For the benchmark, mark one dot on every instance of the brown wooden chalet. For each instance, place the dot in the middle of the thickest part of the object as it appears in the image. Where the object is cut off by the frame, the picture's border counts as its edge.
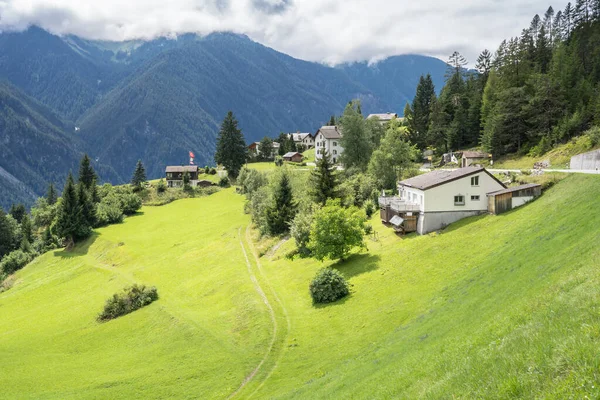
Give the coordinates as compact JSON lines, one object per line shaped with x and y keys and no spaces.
{"x":174,"y":174}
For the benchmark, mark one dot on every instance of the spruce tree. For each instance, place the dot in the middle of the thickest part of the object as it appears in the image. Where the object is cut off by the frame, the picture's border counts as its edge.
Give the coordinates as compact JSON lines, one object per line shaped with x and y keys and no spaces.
{"x":87,"y":206}
{"x":26,"y":229}
{"x":69,"y":222}
{"x":6,"y":235}
{"x":18,"y":211}
{"x":421,"y":111}
{"x":324,"y":181}
{"x":87,"y":175}
{"x":139,"y":175}
{"x":283,"y":210}
{"x":231,"y":146}
{"x":51,"y":195}
{"x":332,"y":121}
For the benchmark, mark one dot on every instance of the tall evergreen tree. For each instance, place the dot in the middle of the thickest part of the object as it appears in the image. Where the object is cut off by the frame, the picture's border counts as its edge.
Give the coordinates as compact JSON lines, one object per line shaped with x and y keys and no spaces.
{"x":421,"y":111}
{"x":51,"y":196}
{"x":26,"y":229}
{"x":69,"y":222}
{"x":231,"y":146}
{"x":18,"y":211}
{"x":456,"y":65}
{"x":324,"y":181}
{"x":139,"y":175}
{"x":265,"y":147}
{"x":6,"y":235}
{"x":355,"y":138}
{"x":87,"y":206}
{"x":284,"y":208}
{"x":484,"y":64}
{"x":332,"y":121}
{"x":87,"y":175}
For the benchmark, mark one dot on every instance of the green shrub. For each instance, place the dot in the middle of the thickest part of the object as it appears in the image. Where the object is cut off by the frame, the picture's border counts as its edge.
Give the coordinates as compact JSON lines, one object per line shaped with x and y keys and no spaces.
{"x":224,"y":182}
{"x":300,"y":231}
{"x":213,"y":171}
{"x":130,"y":299}
{"x":206,"y":169}
{"x":161,"y":186}
{"x":130,"y":203}
{"x":14,"y":261}
{"x":328,"y":286}
{"x":369,"y":208}
{"x":109,"y":211}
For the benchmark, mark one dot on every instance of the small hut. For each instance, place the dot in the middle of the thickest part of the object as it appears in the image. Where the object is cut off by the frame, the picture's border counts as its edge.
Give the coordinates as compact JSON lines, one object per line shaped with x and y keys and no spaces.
{"x":505,"y":200}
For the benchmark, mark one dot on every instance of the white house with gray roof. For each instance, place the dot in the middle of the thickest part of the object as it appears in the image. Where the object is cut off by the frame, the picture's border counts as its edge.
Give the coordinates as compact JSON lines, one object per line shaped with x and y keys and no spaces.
{"x":327,"y":139}
{"x":442,"y":197}
{"x":383,"y":118}
{"x":305,"y":140}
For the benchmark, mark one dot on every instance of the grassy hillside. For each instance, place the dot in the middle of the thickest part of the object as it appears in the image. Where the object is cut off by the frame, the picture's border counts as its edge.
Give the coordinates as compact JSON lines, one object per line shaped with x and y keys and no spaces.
{"x":496,"y":306}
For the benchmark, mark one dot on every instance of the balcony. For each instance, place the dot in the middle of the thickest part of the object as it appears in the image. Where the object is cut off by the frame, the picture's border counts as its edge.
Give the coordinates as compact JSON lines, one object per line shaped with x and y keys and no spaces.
{"x":399,"y":205}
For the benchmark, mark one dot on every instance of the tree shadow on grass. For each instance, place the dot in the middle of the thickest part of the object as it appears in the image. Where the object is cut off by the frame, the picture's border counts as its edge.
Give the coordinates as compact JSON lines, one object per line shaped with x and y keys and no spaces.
{"x":335,"y":303}
{"x":80,"y":248}
{"x":357,"y":264}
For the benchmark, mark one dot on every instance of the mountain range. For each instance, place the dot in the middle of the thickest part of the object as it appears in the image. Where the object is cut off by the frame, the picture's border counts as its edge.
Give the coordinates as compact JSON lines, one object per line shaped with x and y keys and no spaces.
{"x":157,"y":100}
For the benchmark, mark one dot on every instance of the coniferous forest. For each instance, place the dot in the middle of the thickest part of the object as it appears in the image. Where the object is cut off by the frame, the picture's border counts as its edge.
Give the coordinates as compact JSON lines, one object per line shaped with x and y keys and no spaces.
{"x":537,"y":90}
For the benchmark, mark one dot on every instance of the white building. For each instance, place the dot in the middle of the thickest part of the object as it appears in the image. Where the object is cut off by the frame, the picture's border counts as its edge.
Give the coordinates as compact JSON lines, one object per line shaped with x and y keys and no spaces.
{"x":442,"y":197}
{"x":383,"y":118}
{"x":327,"y":139}
{"x":305,"y":140}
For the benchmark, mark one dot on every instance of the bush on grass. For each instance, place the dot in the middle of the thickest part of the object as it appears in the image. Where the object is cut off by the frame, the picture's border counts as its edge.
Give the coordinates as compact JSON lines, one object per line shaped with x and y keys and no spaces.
{"x":14,"y":261}
{"x":224,"y":182}
{"x":328,"y":286}
{"x":130,"y":299}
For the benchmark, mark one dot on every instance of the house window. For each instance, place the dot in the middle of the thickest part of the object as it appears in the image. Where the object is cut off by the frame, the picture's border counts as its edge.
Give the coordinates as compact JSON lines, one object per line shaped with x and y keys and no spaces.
{"x":335,"y":143}
{"x":459,"y":200}
{"x":474,"y":198}
{"x":335,"y":152}
{"x":475,"y":181}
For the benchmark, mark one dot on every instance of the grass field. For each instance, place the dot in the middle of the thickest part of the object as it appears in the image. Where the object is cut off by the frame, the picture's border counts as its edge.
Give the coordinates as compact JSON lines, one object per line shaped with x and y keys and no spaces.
{"x":494,"y":307}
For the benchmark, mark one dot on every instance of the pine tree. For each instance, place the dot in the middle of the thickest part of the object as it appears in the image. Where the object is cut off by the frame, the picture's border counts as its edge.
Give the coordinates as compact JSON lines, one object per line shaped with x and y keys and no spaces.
{"x":87,"y":175}
{"x":568,"y":20}
{"x":6,"y":235}
{"x":18,"y":211}
{"x":26,"y":229}
{"x":558,"y":29}
{"x":87,"y":206}
{"x":51,"y":195}
{"x":139,"y":175}
{"x":484,"y":64}
{"x":332,"y":121}
{"x":231,"y":146}
{"x":456,"y":65}
{"x":324,"y":181}
{"x":283,"y":210}
{"x":69,"y":224}
{"x":421,"y":111}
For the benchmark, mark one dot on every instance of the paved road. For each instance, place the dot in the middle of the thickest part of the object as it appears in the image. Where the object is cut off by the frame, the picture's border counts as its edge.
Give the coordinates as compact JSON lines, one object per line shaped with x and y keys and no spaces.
{"x":500,"y":170}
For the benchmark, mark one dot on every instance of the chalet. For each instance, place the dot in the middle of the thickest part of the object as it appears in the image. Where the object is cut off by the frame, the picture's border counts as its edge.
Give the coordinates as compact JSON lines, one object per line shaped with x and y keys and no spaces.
{"x":174,"y":175}
{"x":473,"y":158}
{"x":327,"y":140}
{"x":293,"y":156}
{"x":383,"y":118}
{"x":431,"y":201}
{"x":302,"y":140}
{"x":512,"y":197}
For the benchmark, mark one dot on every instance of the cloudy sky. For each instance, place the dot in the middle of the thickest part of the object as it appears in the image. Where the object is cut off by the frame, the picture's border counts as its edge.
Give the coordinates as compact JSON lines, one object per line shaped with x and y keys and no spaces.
{"x":329,"y":31}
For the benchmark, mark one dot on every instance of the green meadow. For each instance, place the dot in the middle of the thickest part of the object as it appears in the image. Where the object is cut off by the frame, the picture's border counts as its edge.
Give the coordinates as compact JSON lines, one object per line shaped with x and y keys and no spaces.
{"x":493,"y":307}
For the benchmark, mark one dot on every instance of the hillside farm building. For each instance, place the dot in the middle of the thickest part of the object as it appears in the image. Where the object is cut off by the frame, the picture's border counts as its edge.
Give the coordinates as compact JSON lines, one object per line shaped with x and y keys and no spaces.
{"x":473,"y":158}
{"x":327,"y":140}
{"x":513,"y":197}
{"x":440,"y":198}
{"x":293,"y":156}
{"x":174,"y":175}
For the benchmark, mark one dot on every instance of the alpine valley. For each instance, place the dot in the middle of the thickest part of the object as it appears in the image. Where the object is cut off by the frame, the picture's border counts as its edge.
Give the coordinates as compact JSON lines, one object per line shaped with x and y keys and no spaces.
{"x":157,"y":100}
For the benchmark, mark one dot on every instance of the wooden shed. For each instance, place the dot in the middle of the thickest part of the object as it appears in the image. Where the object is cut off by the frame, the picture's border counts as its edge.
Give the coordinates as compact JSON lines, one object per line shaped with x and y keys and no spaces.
{"x":513,"y":197}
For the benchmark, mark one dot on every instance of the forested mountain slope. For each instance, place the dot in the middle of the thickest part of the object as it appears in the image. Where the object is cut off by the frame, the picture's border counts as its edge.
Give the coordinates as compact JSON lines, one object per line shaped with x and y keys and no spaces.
{"x":35,"y":148}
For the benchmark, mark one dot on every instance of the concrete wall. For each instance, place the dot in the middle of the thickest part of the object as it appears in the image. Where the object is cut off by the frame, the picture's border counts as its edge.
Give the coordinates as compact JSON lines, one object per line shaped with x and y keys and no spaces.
{"x":519,"y":201}
{"x":441,"y":198}
{"x":433,"y":221}
{"x":590,"y":160}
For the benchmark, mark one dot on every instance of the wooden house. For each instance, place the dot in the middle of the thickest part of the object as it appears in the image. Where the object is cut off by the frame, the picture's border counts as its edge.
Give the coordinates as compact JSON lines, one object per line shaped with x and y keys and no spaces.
{"x":293,"y":156}
{"x":505,"y":200}
{"x":174,"y":175}
{"x":473,"y":158}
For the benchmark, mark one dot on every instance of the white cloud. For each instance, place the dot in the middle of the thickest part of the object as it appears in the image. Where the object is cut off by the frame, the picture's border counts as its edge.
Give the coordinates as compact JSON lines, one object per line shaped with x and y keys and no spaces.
{"x":329,"y":31}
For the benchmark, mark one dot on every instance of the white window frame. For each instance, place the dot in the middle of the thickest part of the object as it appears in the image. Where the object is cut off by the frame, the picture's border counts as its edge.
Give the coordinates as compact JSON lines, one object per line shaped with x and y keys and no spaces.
{"x":475,"y":180}
{"x":457,"y":201}
{"x":475,"y":198}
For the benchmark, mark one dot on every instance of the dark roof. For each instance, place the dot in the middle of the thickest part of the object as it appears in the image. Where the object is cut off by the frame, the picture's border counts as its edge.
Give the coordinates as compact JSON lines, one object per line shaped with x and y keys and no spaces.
{"x":182,"y":168}
{"x":515,"y":189}
{"x":474,"y":154}
{"x":291,"y":154}
{"x":440,"y":177}
{"x":299,"y":136}
{"x":329,"y":132}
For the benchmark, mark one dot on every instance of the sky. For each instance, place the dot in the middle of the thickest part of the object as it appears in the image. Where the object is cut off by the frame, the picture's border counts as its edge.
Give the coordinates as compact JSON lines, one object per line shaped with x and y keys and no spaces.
{"x":326,"y":31}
